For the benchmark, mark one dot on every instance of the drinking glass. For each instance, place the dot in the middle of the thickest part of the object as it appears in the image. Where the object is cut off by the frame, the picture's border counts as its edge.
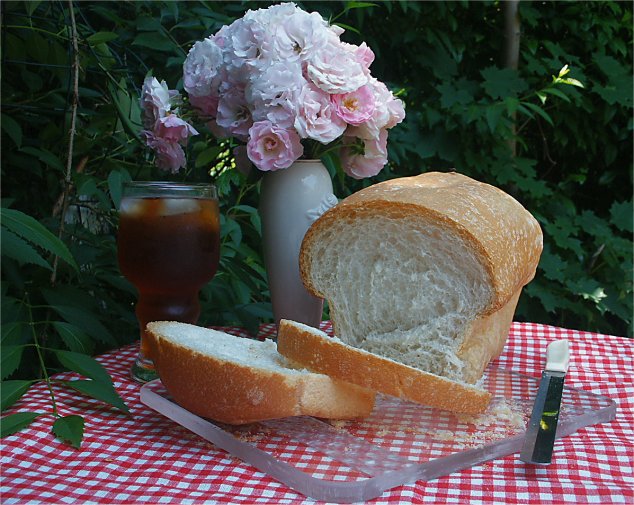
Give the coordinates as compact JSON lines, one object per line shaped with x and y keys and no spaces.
{"x":168,"y":247}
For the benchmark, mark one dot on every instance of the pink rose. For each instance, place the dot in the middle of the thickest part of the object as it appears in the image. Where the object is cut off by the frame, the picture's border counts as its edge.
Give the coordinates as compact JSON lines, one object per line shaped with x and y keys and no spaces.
{"x":363,"y":54}
{"x":364,"y":157}
{"x":273,"y":148}
{"x":173,"y":129}
{"x":233,"y":113}
{"x":396,"y":112}
{"x":316,"y":116}
{"x":155,"y":101}
{"x":388,"y":112}
{"x":355,"y":107}
{"x":169,"y":155}
{"x":206,"y":105}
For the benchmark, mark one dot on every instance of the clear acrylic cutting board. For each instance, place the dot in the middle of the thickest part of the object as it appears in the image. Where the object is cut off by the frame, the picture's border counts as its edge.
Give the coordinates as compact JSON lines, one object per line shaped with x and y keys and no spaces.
{"x":401,"y":442}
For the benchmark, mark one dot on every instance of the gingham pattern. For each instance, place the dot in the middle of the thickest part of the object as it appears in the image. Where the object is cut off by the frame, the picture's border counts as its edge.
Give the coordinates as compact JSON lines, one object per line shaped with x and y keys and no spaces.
{"x":145,"y":458}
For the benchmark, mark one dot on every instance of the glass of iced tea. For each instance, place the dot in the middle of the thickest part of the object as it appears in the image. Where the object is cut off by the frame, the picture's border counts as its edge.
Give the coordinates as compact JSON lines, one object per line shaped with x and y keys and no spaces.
{"x":168,"y":247}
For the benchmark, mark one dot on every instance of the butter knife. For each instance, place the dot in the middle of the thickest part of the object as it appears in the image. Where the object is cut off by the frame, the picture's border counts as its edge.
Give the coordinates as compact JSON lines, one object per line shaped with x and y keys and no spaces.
{"x":542,"y":426}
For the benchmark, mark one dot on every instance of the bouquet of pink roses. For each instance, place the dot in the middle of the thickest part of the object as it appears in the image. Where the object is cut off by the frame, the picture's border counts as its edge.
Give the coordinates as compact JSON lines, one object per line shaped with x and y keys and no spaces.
{"x":277,"y":79}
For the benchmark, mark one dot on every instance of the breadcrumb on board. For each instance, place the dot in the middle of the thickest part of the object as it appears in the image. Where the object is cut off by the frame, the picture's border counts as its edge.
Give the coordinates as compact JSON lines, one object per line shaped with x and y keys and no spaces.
{"x":505,"y":417}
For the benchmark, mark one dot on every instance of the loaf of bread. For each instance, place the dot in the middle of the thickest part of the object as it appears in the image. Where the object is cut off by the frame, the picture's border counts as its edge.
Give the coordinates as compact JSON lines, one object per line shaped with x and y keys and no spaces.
{"x":238,"y":380}
{"x":424,"y":270}
{"x":314,"y":349}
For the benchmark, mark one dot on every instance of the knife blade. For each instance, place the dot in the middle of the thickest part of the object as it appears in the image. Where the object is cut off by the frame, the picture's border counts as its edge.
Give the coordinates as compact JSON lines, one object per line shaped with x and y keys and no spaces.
{"x":542,"y":425}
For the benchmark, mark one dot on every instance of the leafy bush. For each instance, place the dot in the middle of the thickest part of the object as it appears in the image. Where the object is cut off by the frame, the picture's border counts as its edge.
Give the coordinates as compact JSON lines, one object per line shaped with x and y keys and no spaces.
{"x":564,"y":151}
{"x":573,"y":162}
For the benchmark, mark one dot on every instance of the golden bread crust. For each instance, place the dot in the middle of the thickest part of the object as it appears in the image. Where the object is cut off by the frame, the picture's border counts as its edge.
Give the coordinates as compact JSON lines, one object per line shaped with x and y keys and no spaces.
{"x":235,"y":393}
{"x":318,"y":352}
{"x":501,"y":232}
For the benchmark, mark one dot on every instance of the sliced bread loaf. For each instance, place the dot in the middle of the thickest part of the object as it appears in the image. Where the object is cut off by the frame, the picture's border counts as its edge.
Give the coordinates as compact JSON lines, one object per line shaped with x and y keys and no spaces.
{"x":238,"y":380}
{"x":314,"y":349}
{"x":424,"y":270}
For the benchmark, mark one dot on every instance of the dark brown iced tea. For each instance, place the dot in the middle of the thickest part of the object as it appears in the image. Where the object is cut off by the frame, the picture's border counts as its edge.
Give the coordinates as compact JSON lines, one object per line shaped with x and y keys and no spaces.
{"x":168,"y":248}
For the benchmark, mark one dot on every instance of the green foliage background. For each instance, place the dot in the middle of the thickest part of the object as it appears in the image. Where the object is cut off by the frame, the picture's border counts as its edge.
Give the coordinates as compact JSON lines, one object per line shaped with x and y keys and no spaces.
{"x":61,"y":287}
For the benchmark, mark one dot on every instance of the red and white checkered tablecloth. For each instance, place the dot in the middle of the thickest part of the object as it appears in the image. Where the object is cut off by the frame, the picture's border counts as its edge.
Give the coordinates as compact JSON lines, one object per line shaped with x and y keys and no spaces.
{"x":146,"y":458}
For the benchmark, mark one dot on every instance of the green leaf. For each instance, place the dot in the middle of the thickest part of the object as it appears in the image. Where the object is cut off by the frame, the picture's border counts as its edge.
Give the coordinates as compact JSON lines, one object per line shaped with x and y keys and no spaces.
{"x":607,"y":64}
{"x":493,"y":115}
{"x":101,"y":37}
{"x":358,"y":5}
{"x":45,"y":156}
{"x":12,"y":129}
{"x":207,"y":156}
{"x":589,"y":289}
{"x":539,"y":111}
{"x":15,"y":422}
{"x":260,"y":310}
{"x":116,"y":178}
{"x":617,"y":91}
{"x":11,"y":357}
{"x":148,"y":24}
{"x":31,"y":7}
{"x":124,"y":105}
{"x":21,"y":251}
{"x":461,"y":92}
{"x":557,"y":92}
{"x":27,"y":227}
{"x":154,"y":40}
{"x":502,"y":82}
{"x":12,"y":391}
{"x":99,"y":391}
{"x":175,"y":61}
{"x":621,"y":215}
{"x":230,"y":228}
{"x":593,"y":225}
{"x":563,"y":233}
{"x":511,"y":104}
{"x":74,"y":338}
{"x":572,"y":82}
{"x":553,"y":266}
{"x":12,"y":332}
{"x":84,"y":365}
{"x":70,"y":429}
{"x":85,"y":321}
{"x":549,"y":299}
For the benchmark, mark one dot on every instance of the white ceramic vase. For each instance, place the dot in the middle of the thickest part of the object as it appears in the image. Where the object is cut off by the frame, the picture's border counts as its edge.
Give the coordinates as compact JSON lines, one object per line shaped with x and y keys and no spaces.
{"x":290,"y":200}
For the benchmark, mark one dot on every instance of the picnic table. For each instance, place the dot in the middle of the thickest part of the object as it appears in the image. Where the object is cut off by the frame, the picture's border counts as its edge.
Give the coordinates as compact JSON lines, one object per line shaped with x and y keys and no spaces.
{"x":148,"y":458}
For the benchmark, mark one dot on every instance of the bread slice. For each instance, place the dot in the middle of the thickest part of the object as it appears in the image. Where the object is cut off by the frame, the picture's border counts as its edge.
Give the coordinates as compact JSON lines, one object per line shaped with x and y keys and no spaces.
{"x":424,"y":270}
{"x":237,"y":380}
{"x":314,"y":349}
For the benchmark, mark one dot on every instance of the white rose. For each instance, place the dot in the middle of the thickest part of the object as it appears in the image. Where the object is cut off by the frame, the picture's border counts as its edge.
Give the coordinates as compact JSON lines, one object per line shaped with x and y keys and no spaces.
{"x":335,"y":70}
{"x":301,"y":34}
{"x":274,"y":15}
{"x":201,"y":67}
{"x":250,"y":44}
{"x":272,"y":93}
